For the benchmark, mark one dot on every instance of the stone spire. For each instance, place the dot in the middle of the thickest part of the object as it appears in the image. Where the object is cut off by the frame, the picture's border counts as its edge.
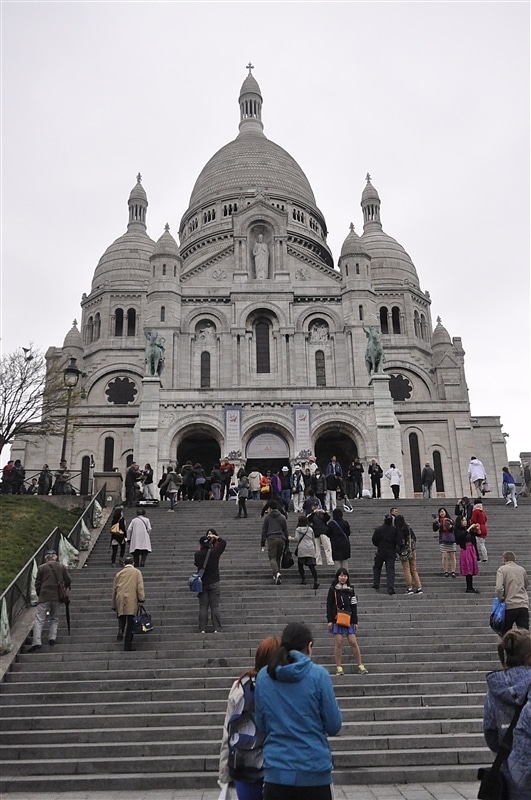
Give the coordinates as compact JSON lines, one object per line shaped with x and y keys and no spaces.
{"x":370,"y":204}
{"x":250,"y":104}
{"x":138,"y":204}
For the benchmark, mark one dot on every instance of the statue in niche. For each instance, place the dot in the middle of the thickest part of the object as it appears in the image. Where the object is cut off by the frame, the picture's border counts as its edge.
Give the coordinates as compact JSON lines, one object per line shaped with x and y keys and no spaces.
{"x":207,"y":334}
{"x":154,"y":353}
{"x":319,"y":332}
{"x":374,"y":354}
{"x":261,"y":258}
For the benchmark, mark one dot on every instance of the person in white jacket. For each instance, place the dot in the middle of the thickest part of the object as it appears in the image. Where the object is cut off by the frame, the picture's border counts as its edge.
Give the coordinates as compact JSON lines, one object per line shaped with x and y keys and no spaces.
{"x":394,"y":477}
{"x":476,"y":475}
{"x":228,"y":772}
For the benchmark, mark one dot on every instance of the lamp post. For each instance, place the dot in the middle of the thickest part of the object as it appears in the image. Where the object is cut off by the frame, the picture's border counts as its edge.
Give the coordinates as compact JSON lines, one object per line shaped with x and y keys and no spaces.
{"x":71,"y":376}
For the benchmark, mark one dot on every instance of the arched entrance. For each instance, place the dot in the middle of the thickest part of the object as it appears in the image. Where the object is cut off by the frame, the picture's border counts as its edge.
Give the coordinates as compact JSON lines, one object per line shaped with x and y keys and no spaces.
{"x":199,"y":447}
{"x":266,"y":451}
{"x":335,"y":443}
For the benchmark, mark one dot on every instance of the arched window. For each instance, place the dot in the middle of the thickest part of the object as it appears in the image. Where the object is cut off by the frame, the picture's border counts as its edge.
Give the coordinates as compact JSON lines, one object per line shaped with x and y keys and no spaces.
{"x":131,"y":321}
{"x":119,"y":322}
{"x":263,"y":363}
{"x":415,"y":461}
{"x":360,"y":312}
{"x":320,"y":368}
{"x":357,"y":269}
{"x":423,"y":327}
{"x":384,"y":324}
{"x":395,"y":316}
{"x":205,"y":370}
{"x":164,"y":269}
{"x":90,"y":330}
{"x":163,"y":313}
{"x":97,"y":326}
{"x":108,"y":454}
{"x":437,"y":468}
{"x":416,"y":323}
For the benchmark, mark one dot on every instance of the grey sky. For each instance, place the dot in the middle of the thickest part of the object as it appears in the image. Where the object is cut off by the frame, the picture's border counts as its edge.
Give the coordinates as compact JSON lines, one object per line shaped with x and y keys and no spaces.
{"x":431,"y":98}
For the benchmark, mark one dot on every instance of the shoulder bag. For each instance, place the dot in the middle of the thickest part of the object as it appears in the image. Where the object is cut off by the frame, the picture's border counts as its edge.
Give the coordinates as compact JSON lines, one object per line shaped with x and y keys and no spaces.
{"x":195,"y":581}
{"x":493,"y":785}
{"x":296,"y":551}
{"x":64,"y":597}
{"x":342,"y":617}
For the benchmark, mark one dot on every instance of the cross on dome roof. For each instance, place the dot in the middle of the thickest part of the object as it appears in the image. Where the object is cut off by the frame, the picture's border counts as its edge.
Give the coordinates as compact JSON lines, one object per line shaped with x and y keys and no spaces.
{"x":249,"y":67}
{"x":139,"y":178}
{"x":368,"y":177}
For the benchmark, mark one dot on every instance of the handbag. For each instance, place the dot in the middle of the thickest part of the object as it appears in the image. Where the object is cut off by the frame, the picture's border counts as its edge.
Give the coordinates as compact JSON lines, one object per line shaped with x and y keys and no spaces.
{"x":343,"y":618}
{"x":142,"y":621}
{"x":195,"y":581}
{"x":63,"y":595}
{"x":116,"y":528}
{"x":287,"y":559}
{"x":497,"y":616}
{"x":493,"y":785}
{"x":485,"y":488}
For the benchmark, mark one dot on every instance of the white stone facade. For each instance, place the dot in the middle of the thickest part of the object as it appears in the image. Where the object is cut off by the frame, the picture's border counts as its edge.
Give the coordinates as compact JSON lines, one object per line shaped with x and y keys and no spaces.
{"x":264,"y":338}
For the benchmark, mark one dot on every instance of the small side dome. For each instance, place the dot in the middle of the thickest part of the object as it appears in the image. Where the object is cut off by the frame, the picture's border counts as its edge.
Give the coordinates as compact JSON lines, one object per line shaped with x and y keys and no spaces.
{"x":440,"y":336}
{"x":353,"y":245}
{"x":166,"y":245}
{"x":73,"y":339}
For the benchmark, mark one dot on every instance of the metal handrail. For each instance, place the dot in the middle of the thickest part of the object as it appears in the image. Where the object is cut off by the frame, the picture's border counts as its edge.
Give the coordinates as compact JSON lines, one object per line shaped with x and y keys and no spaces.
{"x":18,"y":593}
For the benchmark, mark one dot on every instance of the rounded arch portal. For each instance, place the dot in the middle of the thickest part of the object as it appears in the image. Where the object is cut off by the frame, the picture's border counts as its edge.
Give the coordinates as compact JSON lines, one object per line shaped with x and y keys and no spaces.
{"x":335,"y":442}
{"x":199,"y":447}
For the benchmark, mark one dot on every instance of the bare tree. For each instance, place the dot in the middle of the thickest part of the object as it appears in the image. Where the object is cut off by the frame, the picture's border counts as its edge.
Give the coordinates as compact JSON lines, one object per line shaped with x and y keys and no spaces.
{"x":32,"y":396}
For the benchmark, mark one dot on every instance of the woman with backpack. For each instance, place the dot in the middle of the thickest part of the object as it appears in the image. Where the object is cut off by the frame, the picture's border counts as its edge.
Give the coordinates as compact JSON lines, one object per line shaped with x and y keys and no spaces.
{"x":444,"y":525}
{"x":305,"y":549}
{"x":244,"y":765}
{"x":407,"y":553}
{"x":296,"y":708}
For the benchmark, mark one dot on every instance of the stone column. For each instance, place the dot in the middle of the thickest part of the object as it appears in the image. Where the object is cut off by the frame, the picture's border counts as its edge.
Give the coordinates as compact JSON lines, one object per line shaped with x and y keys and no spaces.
{"x":147,"y":426}
{"x":387,"y":431}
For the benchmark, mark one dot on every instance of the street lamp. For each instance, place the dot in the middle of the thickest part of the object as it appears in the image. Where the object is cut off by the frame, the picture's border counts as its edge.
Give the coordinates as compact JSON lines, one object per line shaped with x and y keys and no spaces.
{"x":71,"y":376}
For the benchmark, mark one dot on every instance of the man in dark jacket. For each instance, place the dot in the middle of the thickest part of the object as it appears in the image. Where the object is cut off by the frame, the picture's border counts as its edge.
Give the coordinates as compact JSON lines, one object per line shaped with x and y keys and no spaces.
{"x":212,"y":546}
{"x":427,"y":478}
{"x":275,"y":533}
{"x":385,"y":539}
{"x":49,"y":576}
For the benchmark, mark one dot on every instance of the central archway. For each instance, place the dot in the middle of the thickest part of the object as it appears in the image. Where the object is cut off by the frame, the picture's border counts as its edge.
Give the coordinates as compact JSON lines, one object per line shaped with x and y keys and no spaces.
{"x":335,"y":443}
{"x":199,"y":448}
{"x":266,"y":450}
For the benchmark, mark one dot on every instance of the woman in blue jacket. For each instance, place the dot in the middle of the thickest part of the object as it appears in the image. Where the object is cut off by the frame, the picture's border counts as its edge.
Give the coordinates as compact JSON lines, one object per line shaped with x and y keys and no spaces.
{"x":296,"y":708}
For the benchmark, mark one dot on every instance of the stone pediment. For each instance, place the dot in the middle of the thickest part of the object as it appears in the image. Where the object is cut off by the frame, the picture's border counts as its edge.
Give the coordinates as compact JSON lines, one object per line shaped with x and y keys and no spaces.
{"x":448,"y":361}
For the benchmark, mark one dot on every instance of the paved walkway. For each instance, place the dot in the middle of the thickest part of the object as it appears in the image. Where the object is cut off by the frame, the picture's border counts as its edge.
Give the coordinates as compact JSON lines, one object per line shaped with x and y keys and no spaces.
{"x":403,"y":791}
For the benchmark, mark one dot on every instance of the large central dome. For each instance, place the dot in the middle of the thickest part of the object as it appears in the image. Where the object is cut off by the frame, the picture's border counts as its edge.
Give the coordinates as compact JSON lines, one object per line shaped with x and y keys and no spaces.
{"x":251,"y":162}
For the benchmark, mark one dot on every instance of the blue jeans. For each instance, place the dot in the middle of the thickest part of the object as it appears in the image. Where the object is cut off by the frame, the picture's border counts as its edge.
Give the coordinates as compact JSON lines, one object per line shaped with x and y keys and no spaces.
{"x":248,"y":791}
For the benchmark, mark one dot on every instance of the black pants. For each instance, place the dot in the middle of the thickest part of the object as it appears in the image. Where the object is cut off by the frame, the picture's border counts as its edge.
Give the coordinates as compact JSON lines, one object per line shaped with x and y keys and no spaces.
{"x":125,"y":627}
{"x":311,"y":568}
{"x":395,"y":488}
{"x":140,"y":558}
{"x":114,"y":549}
{"x":376,"y":487}
{"x":379,"y":560}
{"x":516,"y":616}
{"x":242,"y":506}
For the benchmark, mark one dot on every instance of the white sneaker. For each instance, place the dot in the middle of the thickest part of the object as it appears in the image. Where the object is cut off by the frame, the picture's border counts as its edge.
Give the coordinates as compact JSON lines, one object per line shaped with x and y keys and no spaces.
{"x":508,"y":503}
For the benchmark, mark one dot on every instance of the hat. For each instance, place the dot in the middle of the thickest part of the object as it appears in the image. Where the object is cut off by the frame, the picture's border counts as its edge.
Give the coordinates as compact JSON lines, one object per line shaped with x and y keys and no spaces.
{"x":297,"y":466}
{"x":285,"y":469}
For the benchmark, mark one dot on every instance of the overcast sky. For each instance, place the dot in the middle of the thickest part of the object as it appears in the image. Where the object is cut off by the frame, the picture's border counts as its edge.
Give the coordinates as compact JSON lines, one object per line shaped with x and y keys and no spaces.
{"x":431,"y":98}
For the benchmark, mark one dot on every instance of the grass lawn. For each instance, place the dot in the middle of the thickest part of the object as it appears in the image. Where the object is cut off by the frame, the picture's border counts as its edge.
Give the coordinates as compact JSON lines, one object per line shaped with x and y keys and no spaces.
{"x":25,"y":522}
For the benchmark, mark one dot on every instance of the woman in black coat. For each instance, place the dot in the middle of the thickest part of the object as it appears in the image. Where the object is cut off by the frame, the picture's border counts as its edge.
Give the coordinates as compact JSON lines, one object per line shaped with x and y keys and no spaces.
{"x":338,"y":531}
{"x":118,"y":534}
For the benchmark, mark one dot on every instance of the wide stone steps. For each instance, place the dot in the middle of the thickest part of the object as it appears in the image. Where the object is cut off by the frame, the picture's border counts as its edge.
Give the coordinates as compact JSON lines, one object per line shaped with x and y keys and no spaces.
{"x":66,"y":713}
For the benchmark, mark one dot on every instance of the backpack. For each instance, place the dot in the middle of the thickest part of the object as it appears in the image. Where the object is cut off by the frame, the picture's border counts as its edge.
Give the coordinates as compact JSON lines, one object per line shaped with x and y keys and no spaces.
{"x":246,"y":761}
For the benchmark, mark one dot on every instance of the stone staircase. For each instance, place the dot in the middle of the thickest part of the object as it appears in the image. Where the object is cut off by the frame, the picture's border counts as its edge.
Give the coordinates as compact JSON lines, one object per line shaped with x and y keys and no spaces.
{"x":87,"y":715}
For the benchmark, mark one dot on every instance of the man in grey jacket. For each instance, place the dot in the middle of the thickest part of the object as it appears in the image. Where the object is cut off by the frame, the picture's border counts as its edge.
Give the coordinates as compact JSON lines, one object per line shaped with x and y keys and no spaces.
{"x":49,"y":576}
{"x":511,"y":586}
{"x":275,"y":533}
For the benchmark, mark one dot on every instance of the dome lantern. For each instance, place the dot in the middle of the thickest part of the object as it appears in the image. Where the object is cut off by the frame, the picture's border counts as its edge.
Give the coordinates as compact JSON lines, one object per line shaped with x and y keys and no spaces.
{"x":250,"y":101}
{"x":370,"y":204}
{"x":138,"y":204}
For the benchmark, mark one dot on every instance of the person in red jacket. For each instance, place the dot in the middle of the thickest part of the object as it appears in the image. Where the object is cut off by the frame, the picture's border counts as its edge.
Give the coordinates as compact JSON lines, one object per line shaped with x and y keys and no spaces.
{"x":479,"y":517}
